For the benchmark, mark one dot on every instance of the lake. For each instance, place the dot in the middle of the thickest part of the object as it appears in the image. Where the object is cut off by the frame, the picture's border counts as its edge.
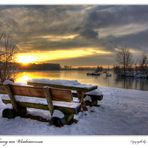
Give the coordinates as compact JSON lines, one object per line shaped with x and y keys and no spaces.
{"x":102,"y":80}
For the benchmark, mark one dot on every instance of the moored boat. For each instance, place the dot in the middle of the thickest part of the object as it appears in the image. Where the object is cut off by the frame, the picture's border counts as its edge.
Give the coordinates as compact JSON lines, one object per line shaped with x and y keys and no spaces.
{"x":93,"y":74}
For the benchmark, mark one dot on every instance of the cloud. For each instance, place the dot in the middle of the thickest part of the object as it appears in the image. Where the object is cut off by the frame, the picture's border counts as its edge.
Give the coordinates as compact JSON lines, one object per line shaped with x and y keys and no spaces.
{"x":92,"y":60}
{"x":90,"y":34}
{"x":136,"y":40}
{"x":102,"y":16}
{"x":57,"y":27}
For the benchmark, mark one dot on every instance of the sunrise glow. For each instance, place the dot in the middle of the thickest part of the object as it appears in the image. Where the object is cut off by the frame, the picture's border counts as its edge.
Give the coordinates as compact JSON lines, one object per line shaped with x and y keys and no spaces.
{"x":25,"y":59}
{"x":45,"y":56}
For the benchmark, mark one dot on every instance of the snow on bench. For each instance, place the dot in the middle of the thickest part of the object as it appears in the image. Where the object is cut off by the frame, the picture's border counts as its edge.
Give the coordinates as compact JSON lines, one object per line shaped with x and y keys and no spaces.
{"x":42,"y":101}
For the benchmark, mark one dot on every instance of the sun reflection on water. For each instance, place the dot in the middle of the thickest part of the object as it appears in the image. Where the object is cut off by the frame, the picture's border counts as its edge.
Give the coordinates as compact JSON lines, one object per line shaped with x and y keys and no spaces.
{"x":23,"y":77}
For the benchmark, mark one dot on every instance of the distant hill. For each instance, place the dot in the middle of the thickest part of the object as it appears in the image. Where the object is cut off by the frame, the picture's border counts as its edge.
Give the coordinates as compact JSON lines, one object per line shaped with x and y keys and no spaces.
{"x":44,"y":66}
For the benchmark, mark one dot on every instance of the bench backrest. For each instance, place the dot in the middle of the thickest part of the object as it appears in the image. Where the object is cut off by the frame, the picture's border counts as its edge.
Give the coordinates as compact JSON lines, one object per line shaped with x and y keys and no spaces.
{"x":31,"y":91}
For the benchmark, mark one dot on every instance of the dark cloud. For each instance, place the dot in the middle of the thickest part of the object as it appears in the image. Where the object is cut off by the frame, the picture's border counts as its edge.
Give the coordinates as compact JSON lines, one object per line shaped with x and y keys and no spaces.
{"x":135,"y":40}
{"x":45,"y":44}
{"x":40,"y":20}
{"x":102,"y":16}
{"x":90,"y":34}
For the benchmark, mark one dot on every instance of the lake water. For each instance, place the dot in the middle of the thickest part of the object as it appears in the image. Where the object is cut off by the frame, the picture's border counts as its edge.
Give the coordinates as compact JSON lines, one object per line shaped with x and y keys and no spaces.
{"x":102,"y":80}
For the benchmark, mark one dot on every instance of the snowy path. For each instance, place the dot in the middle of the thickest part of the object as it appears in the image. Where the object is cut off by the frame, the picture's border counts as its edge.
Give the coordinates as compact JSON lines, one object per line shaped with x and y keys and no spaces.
{"x":122,"y":112}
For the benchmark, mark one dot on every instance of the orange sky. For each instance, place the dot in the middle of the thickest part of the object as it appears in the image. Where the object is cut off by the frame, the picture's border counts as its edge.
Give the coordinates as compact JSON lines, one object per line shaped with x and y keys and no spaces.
{"x":47,"y":56}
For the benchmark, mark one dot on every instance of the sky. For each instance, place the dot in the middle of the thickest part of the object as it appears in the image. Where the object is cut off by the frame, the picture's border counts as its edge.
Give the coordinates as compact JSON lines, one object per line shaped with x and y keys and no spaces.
{"x":76,"y":35}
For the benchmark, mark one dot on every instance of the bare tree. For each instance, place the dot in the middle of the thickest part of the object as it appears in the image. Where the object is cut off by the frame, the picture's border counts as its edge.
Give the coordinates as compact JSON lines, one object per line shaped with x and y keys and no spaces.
{"x":143,"y":63}
{"x":143,"y":60}
{"x":7,"y":52}
{"x":124,"y":57}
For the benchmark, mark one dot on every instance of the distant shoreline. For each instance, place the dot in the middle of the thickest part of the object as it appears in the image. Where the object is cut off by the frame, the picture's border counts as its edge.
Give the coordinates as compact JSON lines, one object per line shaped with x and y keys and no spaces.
{"x":54,"y":70}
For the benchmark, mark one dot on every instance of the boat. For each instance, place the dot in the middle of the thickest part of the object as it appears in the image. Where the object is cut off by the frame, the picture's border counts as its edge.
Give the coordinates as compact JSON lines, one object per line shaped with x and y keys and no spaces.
{"x":140,"y":76}
{"x":93,"y":74}
{"x":108,"y":75}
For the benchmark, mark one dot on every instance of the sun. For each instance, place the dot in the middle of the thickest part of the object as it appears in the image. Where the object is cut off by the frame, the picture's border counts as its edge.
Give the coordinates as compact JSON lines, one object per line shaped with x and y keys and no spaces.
{"x":25,"y":59}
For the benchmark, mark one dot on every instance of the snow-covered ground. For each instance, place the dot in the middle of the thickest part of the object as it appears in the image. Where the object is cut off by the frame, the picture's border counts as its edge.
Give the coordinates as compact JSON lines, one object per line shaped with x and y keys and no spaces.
{"x":122,"y":112}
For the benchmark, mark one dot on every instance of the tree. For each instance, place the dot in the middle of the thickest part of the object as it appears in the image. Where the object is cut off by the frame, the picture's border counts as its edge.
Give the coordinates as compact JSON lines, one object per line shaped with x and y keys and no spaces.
{"x":98,"y":69}
{"x":143,"y":60}
{"x":143,"y":63}
{"x":7,"y":52}
{"x":124,"y":57}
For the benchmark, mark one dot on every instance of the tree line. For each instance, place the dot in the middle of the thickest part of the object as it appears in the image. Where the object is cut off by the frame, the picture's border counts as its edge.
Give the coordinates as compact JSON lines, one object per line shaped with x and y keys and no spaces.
{"x":127,"y":65}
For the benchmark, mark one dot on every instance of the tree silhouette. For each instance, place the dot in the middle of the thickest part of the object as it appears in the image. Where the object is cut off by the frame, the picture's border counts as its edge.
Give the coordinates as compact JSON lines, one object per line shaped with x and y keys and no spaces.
{"x":124,"y":57}
{"x":7,"y":52}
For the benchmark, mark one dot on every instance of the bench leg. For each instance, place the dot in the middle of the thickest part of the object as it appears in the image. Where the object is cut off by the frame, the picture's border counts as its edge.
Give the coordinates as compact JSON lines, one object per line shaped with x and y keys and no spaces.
{"x":11,"y":113}
{"x":8,"y":113}
{"x":94,"y":101}
{"x":68,"y":118}
{"x":22,"y":111}
{"x":81,"y":98}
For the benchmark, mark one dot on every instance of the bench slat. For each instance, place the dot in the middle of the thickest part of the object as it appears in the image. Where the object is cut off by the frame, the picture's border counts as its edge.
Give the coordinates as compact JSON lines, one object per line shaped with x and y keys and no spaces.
{"x":30,"y":91}
{"x":23,"y":90}
{"x":65,"y":94}
{"x":70,"y":107}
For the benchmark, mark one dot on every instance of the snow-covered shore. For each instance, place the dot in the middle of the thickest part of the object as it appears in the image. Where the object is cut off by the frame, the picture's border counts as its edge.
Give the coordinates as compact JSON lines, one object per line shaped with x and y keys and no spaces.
{"x":122,"y":112}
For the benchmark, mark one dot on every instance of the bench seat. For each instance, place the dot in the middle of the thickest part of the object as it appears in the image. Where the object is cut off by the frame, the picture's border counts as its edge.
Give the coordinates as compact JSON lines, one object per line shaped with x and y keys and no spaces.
{"x":40,"y":103}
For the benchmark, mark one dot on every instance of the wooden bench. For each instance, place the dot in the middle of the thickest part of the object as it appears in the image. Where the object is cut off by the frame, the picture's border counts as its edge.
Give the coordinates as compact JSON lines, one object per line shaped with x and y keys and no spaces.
{"x":51,"y":99}
{"x":80,"y":91}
